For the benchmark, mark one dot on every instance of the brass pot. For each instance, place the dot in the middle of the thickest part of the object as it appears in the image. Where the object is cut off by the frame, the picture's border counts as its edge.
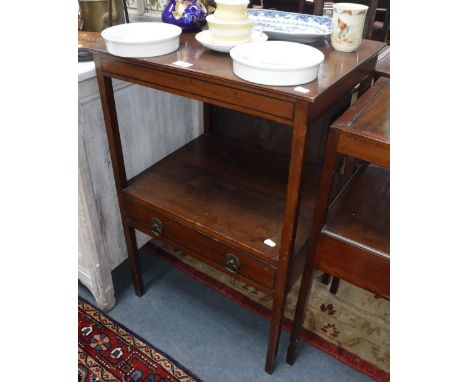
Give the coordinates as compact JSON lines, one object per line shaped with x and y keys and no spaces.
{"x":95,"y":14}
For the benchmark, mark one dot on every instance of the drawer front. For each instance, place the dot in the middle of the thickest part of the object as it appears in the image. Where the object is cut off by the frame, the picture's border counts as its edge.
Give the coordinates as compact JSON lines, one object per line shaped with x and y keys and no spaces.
{"x":272,"y":107}
{"x":215,"y":253}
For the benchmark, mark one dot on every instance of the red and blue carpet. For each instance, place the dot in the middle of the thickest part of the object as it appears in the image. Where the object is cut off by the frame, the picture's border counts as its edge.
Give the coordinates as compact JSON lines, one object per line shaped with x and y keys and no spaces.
{"x":109,"y":352}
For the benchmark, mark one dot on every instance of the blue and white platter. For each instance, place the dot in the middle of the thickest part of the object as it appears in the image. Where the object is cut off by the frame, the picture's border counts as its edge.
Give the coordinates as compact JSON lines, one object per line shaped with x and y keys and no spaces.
{"x":289,"y":26}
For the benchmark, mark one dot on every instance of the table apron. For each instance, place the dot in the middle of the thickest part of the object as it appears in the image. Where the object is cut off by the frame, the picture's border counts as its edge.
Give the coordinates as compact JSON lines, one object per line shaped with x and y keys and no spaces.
{"x":221,"y":94}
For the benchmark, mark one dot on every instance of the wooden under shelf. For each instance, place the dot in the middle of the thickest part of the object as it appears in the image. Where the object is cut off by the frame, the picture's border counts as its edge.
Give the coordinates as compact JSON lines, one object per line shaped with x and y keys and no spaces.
{"x":360,"y":215}
{"x":355,"y":241}
{"x":229,"y":190}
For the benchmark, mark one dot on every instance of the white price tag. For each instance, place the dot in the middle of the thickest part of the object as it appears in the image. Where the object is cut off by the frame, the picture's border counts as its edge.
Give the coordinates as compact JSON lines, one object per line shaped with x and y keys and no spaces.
{"x":183,"y":64}
{"x":270,"y":243}
{"x":300,"y":89}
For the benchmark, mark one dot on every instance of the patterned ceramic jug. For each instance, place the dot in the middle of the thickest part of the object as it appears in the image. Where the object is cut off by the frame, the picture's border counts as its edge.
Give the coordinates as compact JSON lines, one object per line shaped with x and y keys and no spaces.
{"x":188,"y":14}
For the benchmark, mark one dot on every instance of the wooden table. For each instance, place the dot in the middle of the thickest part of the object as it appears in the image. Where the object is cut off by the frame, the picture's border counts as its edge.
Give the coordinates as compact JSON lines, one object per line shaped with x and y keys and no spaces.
{"x":350,"y":237}
{"x":233,"y":206}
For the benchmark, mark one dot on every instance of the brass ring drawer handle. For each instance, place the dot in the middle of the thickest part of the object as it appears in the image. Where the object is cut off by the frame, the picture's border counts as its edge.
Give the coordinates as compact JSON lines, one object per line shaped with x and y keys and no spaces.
{"x":156,"y":226}
{"x":231,"y":262}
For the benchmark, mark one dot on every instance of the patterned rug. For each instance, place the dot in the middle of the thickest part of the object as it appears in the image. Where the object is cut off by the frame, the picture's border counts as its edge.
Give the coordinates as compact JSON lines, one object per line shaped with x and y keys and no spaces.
{"x":109,"y":352}
{"x":352,"y":326}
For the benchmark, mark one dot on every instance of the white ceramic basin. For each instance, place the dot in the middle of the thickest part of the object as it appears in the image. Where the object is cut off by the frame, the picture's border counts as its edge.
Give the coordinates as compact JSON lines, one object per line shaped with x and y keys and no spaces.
{"x":145,"y":39}
{"x":280,"y":63}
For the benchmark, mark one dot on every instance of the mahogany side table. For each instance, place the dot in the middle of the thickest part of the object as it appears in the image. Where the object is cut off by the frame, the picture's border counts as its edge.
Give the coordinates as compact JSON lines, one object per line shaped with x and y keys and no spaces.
{"x":240,"y":209}
{"x":350,"y":236}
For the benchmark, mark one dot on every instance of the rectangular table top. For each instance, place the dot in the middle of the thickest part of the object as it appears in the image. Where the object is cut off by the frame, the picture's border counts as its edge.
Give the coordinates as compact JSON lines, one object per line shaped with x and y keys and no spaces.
{"x":369,"y":116}
{"x":217,"y":67}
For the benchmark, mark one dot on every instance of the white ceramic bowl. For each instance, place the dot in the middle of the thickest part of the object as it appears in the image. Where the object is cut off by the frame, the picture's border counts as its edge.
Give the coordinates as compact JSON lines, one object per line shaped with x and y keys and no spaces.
{"x":144,"y":39}
{"x":229,"y":30}
{"x":280,"y":63}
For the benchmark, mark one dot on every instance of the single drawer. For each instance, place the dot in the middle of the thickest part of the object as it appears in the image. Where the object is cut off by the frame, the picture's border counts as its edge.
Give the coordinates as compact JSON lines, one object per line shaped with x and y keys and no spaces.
{"x":209,"y":250}
{"x":191,"y":85}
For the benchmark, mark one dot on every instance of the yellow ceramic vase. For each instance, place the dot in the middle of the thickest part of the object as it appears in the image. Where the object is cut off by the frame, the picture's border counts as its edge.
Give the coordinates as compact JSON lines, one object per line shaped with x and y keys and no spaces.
{"x":231,"y":10}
